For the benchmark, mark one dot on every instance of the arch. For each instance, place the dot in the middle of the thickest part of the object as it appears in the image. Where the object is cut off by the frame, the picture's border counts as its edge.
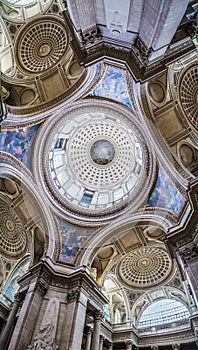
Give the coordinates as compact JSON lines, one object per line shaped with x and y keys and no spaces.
{"x":11,"y":170}
{"x":163,"y":311}
{"x":143,"y":217}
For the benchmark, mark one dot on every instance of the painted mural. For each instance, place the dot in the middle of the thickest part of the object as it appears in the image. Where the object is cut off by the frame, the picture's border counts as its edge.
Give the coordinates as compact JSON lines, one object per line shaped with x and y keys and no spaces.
{"x":18,"y":142}
{"x":102,"y":152}
{"x":114,"y":86}
{"x":166,"y":195}
{"x":72,"y":239}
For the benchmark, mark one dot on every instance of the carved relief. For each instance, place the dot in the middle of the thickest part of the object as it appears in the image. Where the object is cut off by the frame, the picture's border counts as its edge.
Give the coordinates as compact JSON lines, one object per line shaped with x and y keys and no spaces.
{"x":45,"y":338}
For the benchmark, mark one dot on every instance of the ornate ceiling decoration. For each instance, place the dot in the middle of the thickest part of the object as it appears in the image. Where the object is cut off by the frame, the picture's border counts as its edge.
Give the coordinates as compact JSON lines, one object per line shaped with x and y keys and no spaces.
{"x":13,"y":238}
{"x":145,"y":267}
{"x":96,"y":160}
{"x":41,"y":45}
{"x":102,"y":153}
{"x":188,"y":92}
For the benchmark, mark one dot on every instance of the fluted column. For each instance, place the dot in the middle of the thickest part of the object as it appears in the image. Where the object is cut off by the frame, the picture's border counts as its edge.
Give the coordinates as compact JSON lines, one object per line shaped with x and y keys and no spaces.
{"x":76,"y":308}
{"x":9,"y":324}
{"x":88,"y":342}
{"x":98,"y":316}
{"x":101,"y":342}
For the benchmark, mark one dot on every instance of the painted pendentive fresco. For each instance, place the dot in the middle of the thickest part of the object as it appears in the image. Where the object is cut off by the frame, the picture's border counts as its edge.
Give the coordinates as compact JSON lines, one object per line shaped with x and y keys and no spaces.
{"x":114,"y":86}
{"x":166,"y":195}
{"x":72,"y":239}
{"x":18,"y":142}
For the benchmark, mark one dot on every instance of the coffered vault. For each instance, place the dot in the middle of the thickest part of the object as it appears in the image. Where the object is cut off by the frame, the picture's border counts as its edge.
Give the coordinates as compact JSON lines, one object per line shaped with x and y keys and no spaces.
{"x":98,"y":175}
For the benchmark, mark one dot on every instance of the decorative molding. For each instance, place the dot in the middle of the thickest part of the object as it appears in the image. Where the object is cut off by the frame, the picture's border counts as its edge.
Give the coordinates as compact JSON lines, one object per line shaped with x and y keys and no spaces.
{"x":135,"y":58}
{"x":42,"y":287}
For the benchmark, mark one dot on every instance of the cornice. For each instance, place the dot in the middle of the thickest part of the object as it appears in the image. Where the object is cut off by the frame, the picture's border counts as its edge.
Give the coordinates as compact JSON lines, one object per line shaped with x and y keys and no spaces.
{"x":136,"y":58}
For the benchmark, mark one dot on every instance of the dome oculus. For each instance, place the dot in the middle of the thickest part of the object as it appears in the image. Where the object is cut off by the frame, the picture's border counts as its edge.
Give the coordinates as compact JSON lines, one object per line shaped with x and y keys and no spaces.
{"x":102,"y":152}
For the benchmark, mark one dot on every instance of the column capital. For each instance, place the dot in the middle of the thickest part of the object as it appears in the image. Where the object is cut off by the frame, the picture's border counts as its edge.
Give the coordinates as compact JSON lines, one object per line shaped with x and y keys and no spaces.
{"x":189,"y":254}
{"x":73,"y":295}
{"x":98,"y":315}
{"x":18,"y":297}
{"x":42,"y":287}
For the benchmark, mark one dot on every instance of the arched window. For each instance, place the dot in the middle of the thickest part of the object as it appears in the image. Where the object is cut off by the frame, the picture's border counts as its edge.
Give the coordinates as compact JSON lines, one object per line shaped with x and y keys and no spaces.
{"x":163,"y":311}
{"x":12,"y":285}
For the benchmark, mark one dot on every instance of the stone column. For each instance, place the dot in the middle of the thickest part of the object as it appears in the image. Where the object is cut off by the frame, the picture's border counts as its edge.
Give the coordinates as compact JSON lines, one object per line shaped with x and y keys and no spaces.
{"x":88,"y":342}
{"x":5,"y":336}
{"x":98,"y":316}
{"x":189,"y":257}
{"x":101,"y":342}
{"x":29,"y":312}
{"x":76,"y":313}
{"x":110,"y":346}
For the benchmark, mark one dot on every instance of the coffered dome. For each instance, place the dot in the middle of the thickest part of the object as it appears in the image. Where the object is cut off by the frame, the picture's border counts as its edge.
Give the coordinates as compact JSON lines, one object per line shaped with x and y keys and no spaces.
{"x":41,"y":45}
{"x":96,"y":160}
{"x":13,"y":238}
{"x":145,"y":267}
{"x":189,"y":95}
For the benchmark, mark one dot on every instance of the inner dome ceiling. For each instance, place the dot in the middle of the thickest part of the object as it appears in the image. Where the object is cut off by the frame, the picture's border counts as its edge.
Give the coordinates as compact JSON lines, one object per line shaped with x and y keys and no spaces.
{"x":96,"y":159}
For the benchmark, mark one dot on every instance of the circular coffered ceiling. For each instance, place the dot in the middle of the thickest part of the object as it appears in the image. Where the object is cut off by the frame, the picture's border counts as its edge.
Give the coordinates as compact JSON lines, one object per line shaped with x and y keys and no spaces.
{"x":101,"y":152}
{"x":13,"y":238}
{"x":95,"y":160}
{"x":41,"y":45}
{"x":145,"y":267}
{"x":188,"y":91}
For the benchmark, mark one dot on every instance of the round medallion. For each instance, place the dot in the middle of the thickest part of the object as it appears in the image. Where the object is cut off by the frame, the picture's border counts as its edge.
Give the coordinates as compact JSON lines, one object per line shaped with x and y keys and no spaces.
{"x":102,"y":152}
{"x":189,"y":95}
{"x":145,"y":267}
{"x":10,"y":225}
{"x":44,"y":50}
{"x":41,"y":45}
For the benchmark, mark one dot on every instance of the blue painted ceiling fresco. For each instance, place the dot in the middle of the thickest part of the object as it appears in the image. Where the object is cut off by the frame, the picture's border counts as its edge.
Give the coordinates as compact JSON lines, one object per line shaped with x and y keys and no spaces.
{"x":72,"y":238}
{"x":165,"y":194}
{"x":114,"y":86}
{"x":18,"y":143}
